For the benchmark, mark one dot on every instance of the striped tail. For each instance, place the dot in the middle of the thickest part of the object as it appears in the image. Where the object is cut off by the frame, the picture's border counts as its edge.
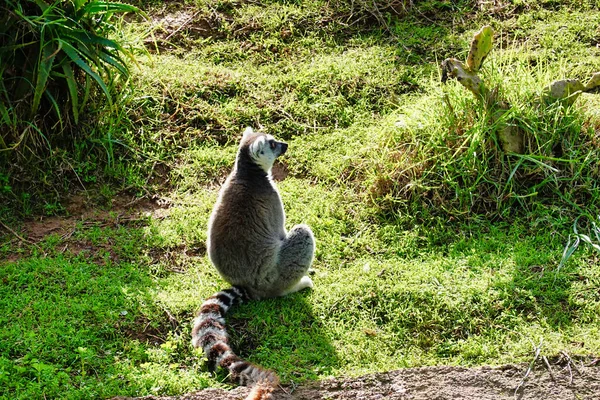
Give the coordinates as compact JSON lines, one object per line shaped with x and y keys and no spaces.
{"x":209,"y":333}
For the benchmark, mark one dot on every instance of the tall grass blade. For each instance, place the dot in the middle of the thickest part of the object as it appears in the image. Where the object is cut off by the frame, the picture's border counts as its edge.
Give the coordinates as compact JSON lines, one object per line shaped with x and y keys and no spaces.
{"x":72,"y":85}
{"x":4,"y":114}
{"x":514,"y":171}
{"x":86,"y":93}
{"x":567,"y":253}
{"x":538,"y":162}
{"x":579,"y":237}
{"x":596,"y":230}
{"x":589,"y":241}
{"x":56,"y":107}
{"x":105,"y":7}
{"x":44,"y":69}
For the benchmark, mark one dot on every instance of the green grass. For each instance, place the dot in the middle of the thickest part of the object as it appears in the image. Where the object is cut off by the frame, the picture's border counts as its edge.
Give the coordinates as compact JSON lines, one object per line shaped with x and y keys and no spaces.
{"x":385,"y":297}
{"x":433,"y":247}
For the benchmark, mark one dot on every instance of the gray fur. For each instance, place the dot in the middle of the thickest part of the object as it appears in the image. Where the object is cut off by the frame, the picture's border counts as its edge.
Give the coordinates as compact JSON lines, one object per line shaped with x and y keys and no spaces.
{"x":247,"y":239}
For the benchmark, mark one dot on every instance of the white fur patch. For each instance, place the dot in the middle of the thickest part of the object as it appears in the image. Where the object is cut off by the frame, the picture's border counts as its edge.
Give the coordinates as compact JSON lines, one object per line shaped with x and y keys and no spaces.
{"x":211,"y":315}
{"x":303,"y":283}
{"x":236,"y":291}
{"x":261,"y":152}
{"x":257,"y":146}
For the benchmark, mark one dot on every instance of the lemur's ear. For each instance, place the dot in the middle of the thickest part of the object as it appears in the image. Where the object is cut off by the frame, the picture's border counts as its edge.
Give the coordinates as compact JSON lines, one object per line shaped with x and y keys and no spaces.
{"x":248,"y":131}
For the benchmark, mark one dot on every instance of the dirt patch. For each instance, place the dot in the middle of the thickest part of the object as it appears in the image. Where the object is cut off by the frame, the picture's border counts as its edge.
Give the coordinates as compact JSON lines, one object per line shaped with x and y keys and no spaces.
{"x":280,"y":171}
{"x":83,"y":213}
{"x":80,"y":210}
{"x":176,"y":259}
{"x":563,"y":381}
{"x":182,"y":27}
{"x":150,"y":332}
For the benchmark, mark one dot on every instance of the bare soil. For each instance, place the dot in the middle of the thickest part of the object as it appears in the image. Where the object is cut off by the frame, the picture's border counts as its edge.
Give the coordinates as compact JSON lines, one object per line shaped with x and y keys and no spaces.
{"x":122,"y":209}
{"x":559,"y":380}
{"x":83,"y":211}
{"x":180,"y":27}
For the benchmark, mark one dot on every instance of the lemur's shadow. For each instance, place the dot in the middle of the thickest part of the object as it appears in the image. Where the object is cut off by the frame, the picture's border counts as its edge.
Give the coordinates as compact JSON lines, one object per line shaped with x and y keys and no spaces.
{"x":283,"y":335}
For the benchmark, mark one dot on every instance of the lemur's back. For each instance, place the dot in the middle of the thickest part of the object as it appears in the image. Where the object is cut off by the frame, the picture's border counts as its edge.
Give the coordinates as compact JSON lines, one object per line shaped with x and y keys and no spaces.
{"x":248,"y":225}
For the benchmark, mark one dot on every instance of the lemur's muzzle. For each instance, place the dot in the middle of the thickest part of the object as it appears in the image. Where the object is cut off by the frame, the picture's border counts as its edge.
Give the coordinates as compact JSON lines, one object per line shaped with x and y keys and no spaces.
{"x":284,"y":147}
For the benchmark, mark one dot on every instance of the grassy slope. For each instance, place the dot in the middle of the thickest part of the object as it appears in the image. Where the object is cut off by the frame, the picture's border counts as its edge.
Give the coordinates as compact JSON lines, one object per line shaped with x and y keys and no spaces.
{"x":389,"y":293}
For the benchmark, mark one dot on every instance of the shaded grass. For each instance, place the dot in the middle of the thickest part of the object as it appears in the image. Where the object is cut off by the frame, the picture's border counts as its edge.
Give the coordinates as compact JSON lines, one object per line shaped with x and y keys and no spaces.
{"x":63,"y":75}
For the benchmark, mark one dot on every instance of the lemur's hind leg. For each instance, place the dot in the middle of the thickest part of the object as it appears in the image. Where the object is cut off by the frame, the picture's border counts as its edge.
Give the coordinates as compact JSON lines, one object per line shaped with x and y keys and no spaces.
{"x":295,"y":258}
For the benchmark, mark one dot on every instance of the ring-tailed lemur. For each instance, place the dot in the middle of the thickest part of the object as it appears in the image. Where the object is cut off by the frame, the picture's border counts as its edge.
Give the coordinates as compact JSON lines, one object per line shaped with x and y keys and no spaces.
{"x":249,"y":246}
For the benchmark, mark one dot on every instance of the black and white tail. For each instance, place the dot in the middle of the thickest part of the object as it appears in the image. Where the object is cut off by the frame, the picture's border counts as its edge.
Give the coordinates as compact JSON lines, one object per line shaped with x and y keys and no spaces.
{"x":209,"y":333}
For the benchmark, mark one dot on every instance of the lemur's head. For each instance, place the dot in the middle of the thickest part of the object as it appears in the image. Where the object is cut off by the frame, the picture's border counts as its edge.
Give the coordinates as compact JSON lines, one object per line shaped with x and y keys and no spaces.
{"x":261,"y":148}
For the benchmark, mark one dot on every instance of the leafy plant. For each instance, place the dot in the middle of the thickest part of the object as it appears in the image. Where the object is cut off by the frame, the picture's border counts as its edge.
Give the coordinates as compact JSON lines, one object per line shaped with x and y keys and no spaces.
{"x":508,"y":151}
{"x":54,"y":58}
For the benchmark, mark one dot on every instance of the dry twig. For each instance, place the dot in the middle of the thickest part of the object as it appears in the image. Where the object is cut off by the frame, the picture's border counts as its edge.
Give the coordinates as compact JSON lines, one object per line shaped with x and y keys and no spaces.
{"x":531,"y":364}
{"x":570,"y":363}
{"x":594,"y":362}
{"x":21,"y":238}
{"x":549,"y":368}
{"x":182,"y":26}
{"x":570,"y":373}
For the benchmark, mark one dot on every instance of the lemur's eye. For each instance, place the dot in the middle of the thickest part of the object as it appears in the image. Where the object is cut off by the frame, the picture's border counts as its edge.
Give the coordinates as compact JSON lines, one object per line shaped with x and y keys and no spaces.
{"x":272,"y":144}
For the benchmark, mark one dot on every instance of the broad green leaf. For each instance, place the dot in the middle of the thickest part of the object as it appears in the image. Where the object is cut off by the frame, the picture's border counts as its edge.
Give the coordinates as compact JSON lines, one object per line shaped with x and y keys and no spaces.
{"x":43,"y":5}
{"x":79,"y":3}
{"x":73,"y":54}
{"x":480,"y":47}
{"x":89,"y":38}
{"x":115,"y":61}
{"x":90,"y":53}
